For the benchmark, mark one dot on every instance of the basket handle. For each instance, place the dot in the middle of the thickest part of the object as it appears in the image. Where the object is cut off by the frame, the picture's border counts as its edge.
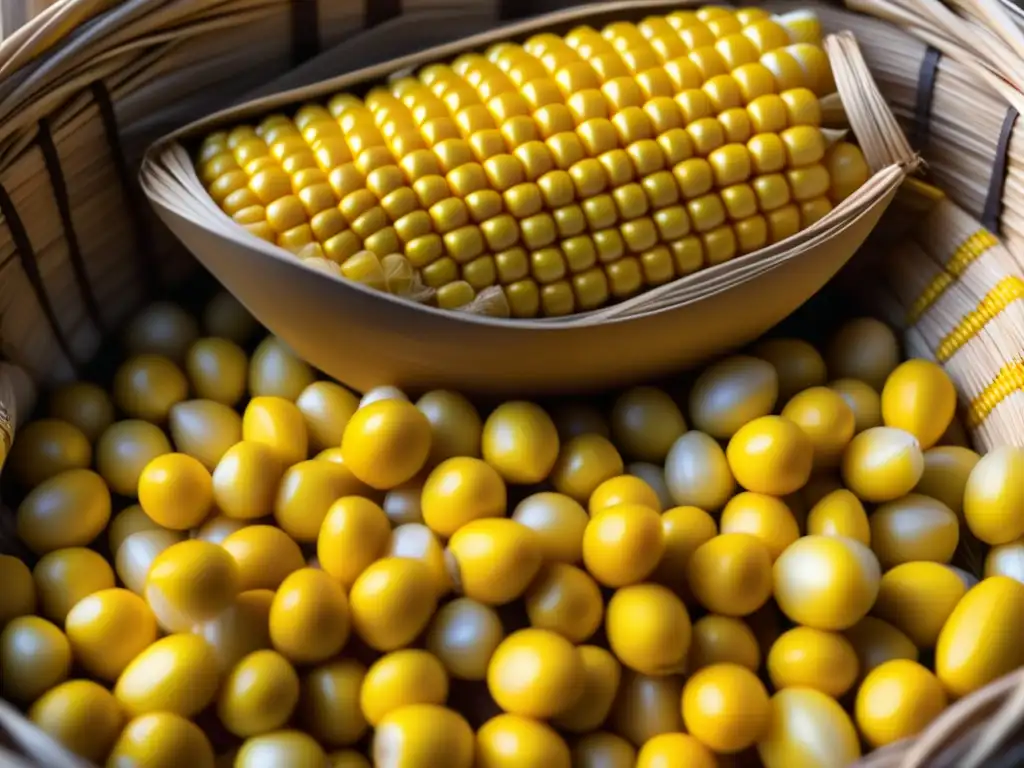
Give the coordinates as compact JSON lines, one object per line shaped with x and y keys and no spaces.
{"x":873,"y":123}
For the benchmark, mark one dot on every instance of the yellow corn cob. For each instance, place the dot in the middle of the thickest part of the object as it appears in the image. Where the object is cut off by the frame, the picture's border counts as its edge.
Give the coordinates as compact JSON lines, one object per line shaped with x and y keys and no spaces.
{"x":571,"y":171}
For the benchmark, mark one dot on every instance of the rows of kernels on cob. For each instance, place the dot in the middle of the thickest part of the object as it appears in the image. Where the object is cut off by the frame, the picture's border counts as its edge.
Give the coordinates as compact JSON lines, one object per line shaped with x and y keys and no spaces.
{"x":569,"y":171}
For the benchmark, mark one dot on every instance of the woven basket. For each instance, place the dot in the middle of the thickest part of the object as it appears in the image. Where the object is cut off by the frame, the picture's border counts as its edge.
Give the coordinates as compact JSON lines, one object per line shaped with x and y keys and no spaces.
{"x":89,"y":84}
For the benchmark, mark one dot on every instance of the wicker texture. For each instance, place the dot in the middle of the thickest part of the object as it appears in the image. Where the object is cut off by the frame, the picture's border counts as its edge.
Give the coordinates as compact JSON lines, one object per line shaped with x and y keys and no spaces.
{"x":101,"y":86}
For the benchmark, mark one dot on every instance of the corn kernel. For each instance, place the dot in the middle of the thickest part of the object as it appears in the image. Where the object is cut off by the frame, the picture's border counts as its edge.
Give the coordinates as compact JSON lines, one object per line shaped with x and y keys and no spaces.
{"x":646,"y":156}
{"x":286,"y":212}
{"x":707,"y":135}
{"x":455,"y":294}
{"x":537,"y":231}
{"x":809,"y":182}
{"x":617,"y":166}
{"x":512,"y":265}
{"x":708,"y":62}
{"x":487,"y":144}
{"x":483,"y":205}
{"x":598,"y":136}
{"x":557,"y":299}
{"x":500,"y":232}
{"x":587,"y":105}
{"x":676,"y":146}
{"x":519,"y":130}
{"x":525,"y":71}
{"x":609,"y":244}
{"x":414,"y":224}
{"x":772,"y":191}
{"x":661,"y":189}
{"x":657,"y":266}
{"x":804,"y":144}
{"x":448,"y":214}
{"x":767,"y":153}
{"x":706,"y":212}
{"x":536,"y":159}
{"x":262,"y":230}
{"x":307,"y":177}
{"x":696,"y":36}
{"x":640,"y":59}
{"x":566,"y":149}
{"x":326,"y":224}
{"x":523,"y":298}
{"x":384,"y":180}
{"x":801,"y":107}
{"x":254,"y":214}
{"x":783,"y":222}
{"x":557,"y":58}
{"x":588,"y":178}
{"x":730,"y":164}
{"x":217,"y":166}
{"x":785,"y":69}
{"x":639,"y":234}
{"x":719,"y":245}
{"x":504,"y":172}
{"x":547,"y":265}
{"x":723,"y":26}
{"x":369,"y":222}
{"x":430,"y":190}
{"x":507,"y":105}
{"x":813,"y":210}
{"x":624,"y":277}
{"x":672,"y":223}
{"x":268,"y":184}
{"x":452,"y":154}
{"x":493,"y":85}
{"x":345,"y":179}
{"x":746,"y":16}
{"x":695,"y":177}
{"x":400,"y":203}
{"x":557,"y":188}
{"x":296,"y":237}
{"x":356,"y":203}
{"x":683,"y":73}
{"x":541,"y":93}
{"x":687,"y":254}
{"x":256,"y":165}
{"x":467,"y":179}
{"x":751,"y":233}
{"x":736,"y":125}
{"x":288,"y":145}
{"x":580,"y":253}
{"x":316,"y":198}
{"x":668,"y":47}
{"x":250,"y":150}
{"x":342,"y":246}
{"x":630,"y":201}
{"x":440,"y":272}
{"x":576,"y":76}
{"x":460,"y":96}
{"x":480,"y":273}
{"x":424,"y":250}
{"x":243,"y":197}
{"x":438,"y":129}
{"x":622,"y":92}
{"x":739,"y":200}
{"x":608,"y":66}
{"x":590,"y":288}
{"x":569,"y":220}
{"x":664,"y":114}
{"x":766,"y":35}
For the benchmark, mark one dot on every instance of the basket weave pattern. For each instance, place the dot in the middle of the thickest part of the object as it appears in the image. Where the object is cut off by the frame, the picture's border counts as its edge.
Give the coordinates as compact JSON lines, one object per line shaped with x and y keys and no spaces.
{"x":89,"y":84}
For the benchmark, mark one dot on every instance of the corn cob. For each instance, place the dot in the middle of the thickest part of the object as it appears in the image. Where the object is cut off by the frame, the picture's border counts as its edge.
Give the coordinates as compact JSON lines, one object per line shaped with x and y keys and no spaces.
{"x":568,"y":172}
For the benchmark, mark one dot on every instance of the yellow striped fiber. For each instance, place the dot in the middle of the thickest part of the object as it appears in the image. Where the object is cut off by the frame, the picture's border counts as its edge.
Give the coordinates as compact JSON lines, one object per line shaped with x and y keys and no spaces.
{"x":966,"y":254}
{"x":1009,"y":380}
{"x":1006,"y":291}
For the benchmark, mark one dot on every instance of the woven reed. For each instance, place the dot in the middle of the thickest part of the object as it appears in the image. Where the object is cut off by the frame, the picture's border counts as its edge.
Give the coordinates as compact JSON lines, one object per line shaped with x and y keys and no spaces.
{"x":104,"y":83}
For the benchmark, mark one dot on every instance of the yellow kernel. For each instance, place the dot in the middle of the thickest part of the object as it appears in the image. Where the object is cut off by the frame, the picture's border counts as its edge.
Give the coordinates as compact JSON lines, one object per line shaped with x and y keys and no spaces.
{"x":657,"y":266}
{"x":676,"y":145}
{"x":557,"y":299}
{"x":617,"y":166}
{"x":687,"y":254}
{"x":622,"y":92}
{"x":736,"y":125}
{"x":512,"y":264}
{"x":439,"y":128}
{"x":519,"y":130}
{"x":590,"y":288}
{"x":523,"y":298}
{"x":783,"y":222}
{"x":624,"y":277}
{"x":719,"y":244}
{"x":813,"y":210}
{"x":480,"y":272}
{"x":740,"y":201}
{"x":566,"y":149}
{"x":639,"y":235}
{"x":286,"y":212}
{"x":772,"y":191}
{"x":424,"y":250}
{"x":440,"y":272}
{"x":695,"y":177}
{"x":580,"y":253}
{"x":431,"y":190}
{"x":609,"y":244}
{"x":537,"y":231}
{"x":364,"y":267}
{"x":785,"y":69}
{"x":296,"y":237}
{"x":805,"y":145}
{"x":508,"y":104}
{"x":342,"y":246}
{"x":586,"y":105}
{"x":557,"y":188}
{"x":501,"y":232}
{"x":684,"y":73}
{"x":504,"y":171}
{"x":467,"y":179}
{"x":707,"y":135}
{"x":808,"y":182}
{"x":400,"y":203}
{"x":465,"y":243}
{"x":672,"y":223}
{"x":345,"y":179}
{"x":254,"y":214}
{"x":483,"y":204}
{"x":455,"y":294}
{"x":420,"y":164}
{"x":706,"y":212}
{"x":751,"y":233}
{"x":802,"y":107}
{"x":569,"y":220}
